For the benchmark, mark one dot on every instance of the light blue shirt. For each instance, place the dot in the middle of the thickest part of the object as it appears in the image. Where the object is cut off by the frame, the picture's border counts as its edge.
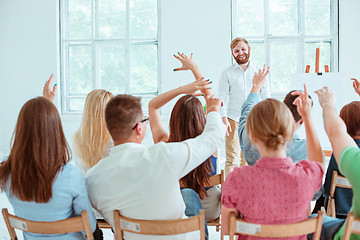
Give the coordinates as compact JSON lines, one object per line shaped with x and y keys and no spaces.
{"x":69,"y":198}
{"x":296,"y":149}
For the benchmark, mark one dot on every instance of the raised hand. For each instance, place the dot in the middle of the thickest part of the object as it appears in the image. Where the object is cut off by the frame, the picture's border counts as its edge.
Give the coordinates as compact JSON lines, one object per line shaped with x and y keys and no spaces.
{"x":47,"y":93}
{"x":356,"y":85}
{"x":303,"y":102}
{"x":195,"y":86}
{"x":212,"y":103}
{"x":187,"y":63}
{"x":259,"y":79}
{"x":326,"y":97}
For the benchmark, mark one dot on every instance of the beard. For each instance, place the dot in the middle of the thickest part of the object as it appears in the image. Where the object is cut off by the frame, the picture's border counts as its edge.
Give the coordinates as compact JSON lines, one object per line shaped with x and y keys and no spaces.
{"x":244,"y":60}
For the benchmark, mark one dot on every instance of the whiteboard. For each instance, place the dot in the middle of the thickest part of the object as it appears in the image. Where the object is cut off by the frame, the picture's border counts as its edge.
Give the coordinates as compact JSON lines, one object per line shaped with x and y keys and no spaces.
{"x":336,"y":82}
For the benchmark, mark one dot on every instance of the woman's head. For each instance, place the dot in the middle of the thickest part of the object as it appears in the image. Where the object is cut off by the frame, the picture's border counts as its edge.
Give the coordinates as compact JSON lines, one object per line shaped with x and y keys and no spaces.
{"x":39,"y":149}
{"x":270,"y":122}
{"x":187,"y":119}
{"x":92,"y":139}
{"x":350,"y":115}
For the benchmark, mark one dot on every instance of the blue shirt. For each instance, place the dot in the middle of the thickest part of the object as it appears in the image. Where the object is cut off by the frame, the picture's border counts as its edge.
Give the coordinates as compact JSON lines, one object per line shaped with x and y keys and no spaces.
{"x":296,"y":150}
{"x":69,"y":198}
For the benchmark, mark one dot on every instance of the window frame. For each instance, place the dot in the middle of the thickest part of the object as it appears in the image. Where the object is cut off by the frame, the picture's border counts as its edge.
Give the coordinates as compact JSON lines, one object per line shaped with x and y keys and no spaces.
{"x":95,"y":42}
{"x":301,"y":38}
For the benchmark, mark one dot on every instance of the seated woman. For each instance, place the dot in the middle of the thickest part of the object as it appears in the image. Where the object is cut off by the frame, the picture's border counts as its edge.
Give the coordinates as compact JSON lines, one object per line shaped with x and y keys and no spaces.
{"x":188,"y":120}
{"x":38,"y":180}
{"x":343,"y":196}
{"x":347,"y":154}
{"x":275,"y":190}
{"x":92,"y":140}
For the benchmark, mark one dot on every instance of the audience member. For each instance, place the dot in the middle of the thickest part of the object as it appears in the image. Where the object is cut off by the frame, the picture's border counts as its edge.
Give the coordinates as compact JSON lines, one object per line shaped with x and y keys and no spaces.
{"x":38,"y":180}
{"x":284,"y":189}
{"x":92,"y":141}
{"x":187,"y":121}
{"x":143,"y":182}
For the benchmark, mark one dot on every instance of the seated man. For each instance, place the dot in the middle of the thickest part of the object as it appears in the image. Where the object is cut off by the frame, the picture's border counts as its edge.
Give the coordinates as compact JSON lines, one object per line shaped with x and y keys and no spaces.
{"x":143,"y":182}
{"x":296,"y":150}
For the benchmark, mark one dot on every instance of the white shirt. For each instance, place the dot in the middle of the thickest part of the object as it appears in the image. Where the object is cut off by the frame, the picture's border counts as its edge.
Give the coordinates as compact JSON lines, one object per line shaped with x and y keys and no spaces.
{"x":234,"y":87}
{"x":143,"y":182}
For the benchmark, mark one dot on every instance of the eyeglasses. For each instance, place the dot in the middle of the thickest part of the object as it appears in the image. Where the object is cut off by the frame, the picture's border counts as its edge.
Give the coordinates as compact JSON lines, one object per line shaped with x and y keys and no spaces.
{"x":144,"y":120}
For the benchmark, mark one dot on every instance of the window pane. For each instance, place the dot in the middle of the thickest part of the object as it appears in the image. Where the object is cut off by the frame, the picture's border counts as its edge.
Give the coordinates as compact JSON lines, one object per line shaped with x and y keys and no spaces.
{"x":310,"y":54}
{"x":250,"y":18}
{"x":145,"y":102}
{"x":257,"y":53}
{"x":112,"y":68}
{"x":283,"y":16}
{"x":143,"y":18}
{"x":80,"y":69}
{"x":143,"y":69}
{"x":76,"y":104}
{"x":112,"y":18}
{"x":79,"y":19}
{"x":283,"y":63}
{"x":317,"y":17}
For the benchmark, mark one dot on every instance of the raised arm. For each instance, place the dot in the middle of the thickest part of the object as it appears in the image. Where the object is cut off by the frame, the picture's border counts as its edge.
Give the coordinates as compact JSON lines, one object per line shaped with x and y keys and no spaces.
{"x":47,"y":93}
{"x":158,"y":132}
{"x":334,"y":126}
{"x":313,"y":148}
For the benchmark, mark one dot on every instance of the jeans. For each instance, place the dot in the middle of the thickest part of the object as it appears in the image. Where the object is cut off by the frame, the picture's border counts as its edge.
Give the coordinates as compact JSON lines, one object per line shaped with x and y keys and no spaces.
{"x":330,"y":227}
{"x":193,"y":205}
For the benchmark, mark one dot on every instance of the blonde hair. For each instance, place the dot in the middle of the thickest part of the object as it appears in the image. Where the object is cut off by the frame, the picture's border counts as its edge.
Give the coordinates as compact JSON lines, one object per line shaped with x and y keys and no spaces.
{"x":92,"y":139}
{"x":271,"y":122}
{"x":235,"y":41}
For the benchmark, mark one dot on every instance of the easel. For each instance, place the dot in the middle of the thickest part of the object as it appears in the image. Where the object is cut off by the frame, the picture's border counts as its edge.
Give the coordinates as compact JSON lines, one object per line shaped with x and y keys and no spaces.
{"x":327,"y":153}
{"x":317,"y":62}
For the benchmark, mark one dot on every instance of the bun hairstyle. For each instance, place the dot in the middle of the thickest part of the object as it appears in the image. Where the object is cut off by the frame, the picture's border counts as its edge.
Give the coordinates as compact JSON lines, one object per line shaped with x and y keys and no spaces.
{"x":271,"y":122}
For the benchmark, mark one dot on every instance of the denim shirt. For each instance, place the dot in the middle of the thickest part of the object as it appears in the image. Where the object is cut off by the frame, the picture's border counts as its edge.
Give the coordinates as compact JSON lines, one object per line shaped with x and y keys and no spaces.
{"x":296,"y":149}
{"x":343,"y":196}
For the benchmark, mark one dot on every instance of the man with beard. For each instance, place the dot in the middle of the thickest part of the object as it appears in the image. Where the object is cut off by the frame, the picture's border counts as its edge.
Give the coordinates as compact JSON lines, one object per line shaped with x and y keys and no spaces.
{"x":235,"y":84}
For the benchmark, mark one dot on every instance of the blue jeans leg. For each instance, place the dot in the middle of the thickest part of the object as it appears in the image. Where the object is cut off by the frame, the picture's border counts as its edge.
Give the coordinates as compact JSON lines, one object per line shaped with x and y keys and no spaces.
{"x":193,"y":205}
{"x":330,"y":227}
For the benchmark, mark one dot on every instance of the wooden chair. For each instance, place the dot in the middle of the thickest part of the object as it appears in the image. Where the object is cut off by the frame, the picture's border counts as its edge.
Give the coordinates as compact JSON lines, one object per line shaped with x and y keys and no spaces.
{"x":103,"y":224}
{"x":310,"y":225}
{"x":74,"y":224}
{"x":336,"y":181}
{"x":214,"y":180}
{"x":159,"y":227}
{"x":352,"y":226}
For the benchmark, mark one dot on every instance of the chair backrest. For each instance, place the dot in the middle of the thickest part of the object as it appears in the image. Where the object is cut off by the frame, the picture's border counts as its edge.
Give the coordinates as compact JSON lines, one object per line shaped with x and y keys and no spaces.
{"x":352,"y":226}
{"x":310,"y":225}
{"x":336,"y":181}
{"x":159,"y":227}
{"x":74,"y":224}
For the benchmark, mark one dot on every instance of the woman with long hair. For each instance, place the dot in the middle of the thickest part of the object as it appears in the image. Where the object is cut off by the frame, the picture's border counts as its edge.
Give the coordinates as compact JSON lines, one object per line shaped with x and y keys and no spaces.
{"x":92,"y":140}
{"x":187,"y":121}
{"x":38,"y":180}
{"x":275,"y":190}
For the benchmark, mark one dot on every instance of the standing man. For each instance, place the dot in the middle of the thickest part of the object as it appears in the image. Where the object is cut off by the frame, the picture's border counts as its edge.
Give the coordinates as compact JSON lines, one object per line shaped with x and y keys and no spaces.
{"x":235,"y":85}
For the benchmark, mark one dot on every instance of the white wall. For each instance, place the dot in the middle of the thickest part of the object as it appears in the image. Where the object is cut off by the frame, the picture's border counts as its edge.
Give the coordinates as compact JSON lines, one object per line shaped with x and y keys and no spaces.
{"x":29,"y":48}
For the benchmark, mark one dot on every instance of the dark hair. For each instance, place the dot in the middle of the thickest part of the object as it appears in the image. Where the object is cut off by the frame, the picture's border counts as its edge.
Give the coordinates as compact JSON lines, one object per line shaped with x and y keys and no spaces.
{"x":121,"y":114}
{"x":350,"y":115}
{"x":188,"y":120}
{"x":39,"y":150}
{"x":288,"y":100}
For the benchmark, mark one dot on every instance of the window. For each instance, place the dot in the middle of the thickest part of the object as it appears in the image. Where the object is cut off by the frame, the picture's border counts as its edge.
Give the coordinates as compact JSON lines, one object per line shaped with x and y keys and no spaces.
{"x":108,"y":44}
{"x":285,"y":33}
